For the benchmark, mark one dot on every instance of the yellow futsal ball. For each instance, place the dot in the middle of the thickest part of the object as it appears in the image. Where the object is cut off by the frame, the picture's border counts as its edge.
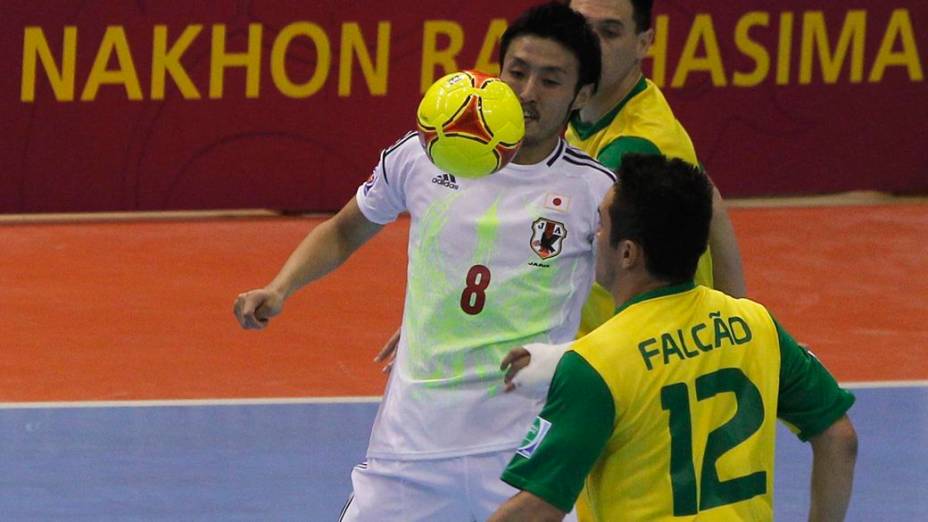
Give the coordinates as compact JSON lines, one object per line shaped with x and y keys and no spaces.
{"x":470,"y":124}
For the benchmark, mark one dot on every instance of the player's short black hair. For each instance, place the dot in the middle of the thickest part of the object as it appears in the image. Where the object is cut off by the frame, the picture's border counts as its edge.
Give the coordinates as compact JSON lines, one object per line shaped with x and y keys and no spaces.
{"x":558,"y":22}
{"x":664,"y":205}
{"x":642,"y":14}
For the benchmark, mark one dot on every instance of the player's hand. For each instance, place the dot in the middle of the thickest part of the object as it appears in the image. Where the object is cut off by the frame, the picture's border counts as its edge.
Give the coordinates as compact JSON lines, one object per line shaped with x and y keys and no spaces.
{"x":388,"y":352}
{"x":529,"y":369}
{"x":513,"y":362}
{"x":255,"y":308}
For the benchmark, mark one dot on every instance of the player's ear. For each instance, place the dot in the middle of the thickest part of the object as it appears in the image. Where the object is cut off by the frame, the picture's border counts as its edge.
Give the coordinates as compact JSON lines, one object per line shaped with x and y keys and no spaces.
{"x":582,"y":97}
{"x":630,"y":254}
{"x":645,"y":39}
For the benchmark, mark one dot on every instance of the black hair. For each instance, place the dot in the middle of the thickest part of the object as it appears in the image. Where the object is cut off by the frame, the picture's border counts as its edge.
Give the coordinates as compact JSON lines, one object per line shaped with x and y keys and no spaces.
{"x":642,"y":14}
{"x":558,"y":22}
{"x":664,"y":205}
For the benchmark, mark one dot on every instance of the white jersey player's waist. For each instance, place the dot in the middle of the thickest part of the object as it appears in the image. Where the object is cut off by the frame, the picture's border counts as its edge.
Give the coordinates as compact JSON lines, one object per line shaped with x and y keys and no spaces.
{"x":443,"y":454}
{"x":416,"y":422}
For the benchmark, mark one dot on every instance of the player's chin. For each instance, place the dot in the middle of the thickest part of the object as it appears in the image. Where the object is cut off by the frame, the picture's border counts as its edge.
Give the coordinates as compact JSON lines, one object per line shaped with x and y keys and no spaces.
{"x":532,"y":133}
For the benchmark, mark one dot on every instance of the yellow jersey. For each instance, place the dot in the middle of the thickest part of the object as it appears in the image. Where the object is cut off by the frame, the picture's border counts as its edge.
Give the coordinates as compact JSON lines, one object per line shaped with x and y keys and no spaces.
{"x":641,"y":123}
{"x":669,"y":411}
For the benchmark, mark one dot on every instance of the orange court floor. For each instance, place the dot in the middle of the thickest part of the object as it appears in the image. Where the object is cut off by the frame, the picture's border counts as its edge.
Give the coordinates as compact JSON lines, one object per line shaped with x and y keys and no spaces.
{"x":141,"y":309}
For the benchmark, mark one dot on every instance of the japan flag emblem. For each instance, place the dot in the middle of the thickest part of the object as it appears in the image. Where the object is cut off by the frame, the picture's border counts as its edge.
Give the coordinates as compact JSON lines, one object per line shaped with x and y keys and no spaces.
{"x":558,"y":202}
{"x":547,"y":237}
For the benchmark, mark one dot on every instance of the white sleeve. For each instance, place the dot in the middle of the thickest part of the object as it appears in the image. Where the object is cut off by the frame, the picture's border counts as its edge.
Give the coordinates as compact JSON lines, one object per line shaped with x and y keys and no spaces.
{"x":382,"y":197}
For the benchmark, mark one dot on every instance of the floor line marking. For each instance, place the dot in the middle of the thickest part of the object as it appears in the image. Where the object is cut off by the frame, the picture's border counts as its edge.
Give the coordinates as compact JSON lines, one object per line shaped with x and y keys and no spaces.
{"x":188,"y":402}
{"x":884,"y":384}
{"x":370,"y":399}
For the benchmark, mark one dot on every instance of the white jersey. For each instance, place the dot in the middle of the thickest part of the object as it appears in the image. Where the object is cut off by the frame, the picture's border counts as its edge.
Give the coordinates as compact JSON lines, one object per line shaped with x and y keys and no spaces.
{"x":494,"y":263}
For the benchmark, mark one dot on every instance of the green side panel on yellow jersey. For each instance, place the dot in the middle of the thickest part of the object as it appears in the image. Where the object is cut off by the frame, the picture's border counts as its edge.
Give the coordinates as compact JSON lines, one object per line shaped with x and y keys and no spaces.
{"x":642,"y":123}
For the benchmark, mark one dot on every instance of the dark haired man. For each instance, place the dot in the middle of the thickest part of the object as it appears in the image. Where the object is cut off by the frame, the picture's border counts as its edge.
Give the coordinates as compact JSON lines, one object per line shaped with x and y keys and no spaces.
{"x":669,"y":409}
{"x":476,"y":285}
{"x":628,"y":113}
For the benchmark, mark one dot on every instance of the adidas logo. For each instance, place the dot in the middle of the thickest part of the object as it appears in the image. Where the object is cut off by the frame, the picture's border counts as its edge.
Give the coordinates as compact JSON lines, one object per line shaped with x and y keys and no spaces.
{"x":446,"y":180}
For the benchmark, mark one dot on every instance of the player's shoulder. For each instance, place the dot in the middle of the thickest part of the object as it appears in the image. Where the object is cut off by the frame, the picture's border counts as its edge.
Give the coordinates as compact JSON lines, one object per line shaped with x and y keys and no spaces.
{"x":716,"y":300}
{"x":653,"y":94}
{"x":577,"y":163}
{"x":616,"y":339}
{"x":402,"y":156}
{"x":650,"y":107}
{"x":408,"y":143}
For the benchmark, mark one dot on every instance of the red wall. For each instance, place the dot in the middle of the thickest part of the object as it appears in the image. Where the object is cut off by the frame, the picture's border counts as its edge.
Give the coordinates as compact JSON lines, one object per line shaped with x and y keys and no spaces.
{"x":101,"y":137}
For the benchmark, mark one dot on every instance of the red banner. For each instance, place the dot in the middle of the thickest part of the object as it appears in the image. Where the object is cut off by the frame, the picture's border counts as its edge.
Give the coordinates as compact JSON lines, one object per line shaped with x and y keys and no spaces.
{"x":117,"y":105}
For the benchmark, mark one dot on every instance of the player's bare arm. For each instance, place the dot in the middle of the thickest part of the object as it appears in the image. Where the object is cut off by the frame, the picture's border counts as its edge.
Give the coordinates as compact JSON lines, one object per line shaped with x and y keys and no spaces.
{"x":387,"y":354}
{"x":525,"y":506}
{"x":727,"y":272}
{"x":834,"y":453}
{"x":324,"y":249}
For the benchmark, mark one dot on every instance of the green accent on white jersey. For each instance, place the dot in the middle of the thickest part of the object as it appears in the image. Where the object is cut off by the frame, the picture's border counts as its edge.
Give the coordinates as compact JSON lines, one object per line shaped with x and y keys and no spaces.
{"x":493,"y":264}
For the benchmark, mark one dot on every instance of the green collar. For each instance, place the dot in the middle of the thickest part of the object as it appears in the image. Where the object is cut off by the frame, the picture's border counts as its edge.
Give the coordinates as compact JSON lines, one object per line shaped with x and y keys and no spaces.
{"x":585,"y":130}
{"x":658,"y":292}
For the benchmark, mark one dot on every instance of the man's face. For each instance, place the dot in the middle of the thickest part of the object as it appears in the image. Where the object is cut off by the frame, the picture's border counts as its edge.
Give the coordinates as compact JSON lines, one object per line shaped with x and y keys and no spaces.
{"x":607,"y":257}
{"x":544,"y":75}
{"x":622,"y":47}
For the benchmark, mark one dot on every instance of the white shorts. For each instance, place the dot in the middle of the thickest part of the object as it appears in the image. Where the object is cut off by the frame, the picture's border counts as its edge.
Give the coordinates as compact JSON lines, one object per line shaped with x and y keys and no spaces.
{"x":458,"y":489}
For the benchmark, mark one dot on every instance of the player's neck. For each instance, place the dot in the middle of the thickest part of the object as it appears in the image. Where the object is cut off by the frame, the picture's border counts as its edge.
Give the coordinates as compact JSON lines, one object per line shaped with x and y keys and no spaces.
{"x":633,"y":285}
{"x":609,"y":96}
{"x":530,"y":154}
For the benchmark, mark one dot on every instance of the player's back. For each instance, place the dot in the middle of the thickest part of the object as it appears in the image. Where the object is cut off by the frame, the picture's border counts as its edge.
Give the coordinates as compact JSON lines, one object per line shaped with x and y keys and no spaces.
{"x":694,"y":375}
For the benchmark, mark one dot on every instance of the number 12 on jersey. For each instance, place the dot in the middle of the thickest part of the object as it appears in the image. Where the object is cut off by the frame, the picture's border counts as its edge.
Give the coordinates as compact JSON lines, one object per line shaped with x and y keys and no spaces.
{"x":747,"y":420}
